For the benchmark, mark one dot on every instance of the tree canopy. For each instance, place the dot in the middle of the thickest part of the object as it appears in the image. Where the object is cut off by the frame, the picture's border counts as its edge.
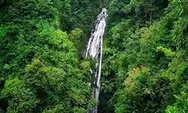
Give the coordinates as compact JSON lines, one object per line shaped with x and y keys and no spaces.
{"x":144,"y":69}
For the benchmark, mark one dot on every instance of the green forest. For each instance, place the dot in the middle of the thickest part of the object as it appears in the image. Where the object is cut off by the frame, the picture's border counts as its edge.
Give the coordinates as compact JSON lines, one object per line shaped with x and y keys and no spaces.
{"x":144,"y":66}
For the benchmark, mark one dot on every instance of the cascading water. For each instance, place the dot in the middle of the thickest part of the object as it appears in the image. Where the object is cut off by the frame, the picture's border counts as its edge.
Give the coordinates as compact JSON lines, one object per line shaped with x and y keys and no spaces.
{"x":94,"y":50}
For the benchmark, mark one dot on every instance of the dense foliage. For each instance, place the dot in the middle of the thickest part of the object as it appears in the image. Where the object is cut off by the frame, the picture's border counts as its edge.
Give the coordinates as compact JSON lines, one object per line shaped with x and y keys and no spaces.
{"x":39,"y":65}
{"x":145,"y":66}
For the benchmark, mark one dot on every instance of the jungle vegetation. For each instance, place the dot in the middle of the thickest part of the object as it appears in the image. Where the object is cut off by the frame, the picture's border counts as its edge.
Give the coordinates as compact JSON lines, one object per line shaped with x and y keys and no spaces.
{"x":145,"y":57}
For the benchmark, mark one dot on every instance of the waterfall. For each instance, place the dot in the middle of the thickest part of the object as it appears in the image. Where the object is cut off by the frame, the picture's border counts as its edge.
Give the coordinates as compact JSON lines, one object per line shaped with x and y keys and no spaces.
{"x":94,"y":50}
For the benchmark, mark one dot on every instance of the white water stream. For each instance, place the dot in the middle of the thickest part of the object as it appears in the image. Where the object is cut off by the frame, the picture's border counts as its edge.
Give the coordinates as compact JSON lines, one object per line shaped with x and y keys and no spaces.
{"x":94,"y":50}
